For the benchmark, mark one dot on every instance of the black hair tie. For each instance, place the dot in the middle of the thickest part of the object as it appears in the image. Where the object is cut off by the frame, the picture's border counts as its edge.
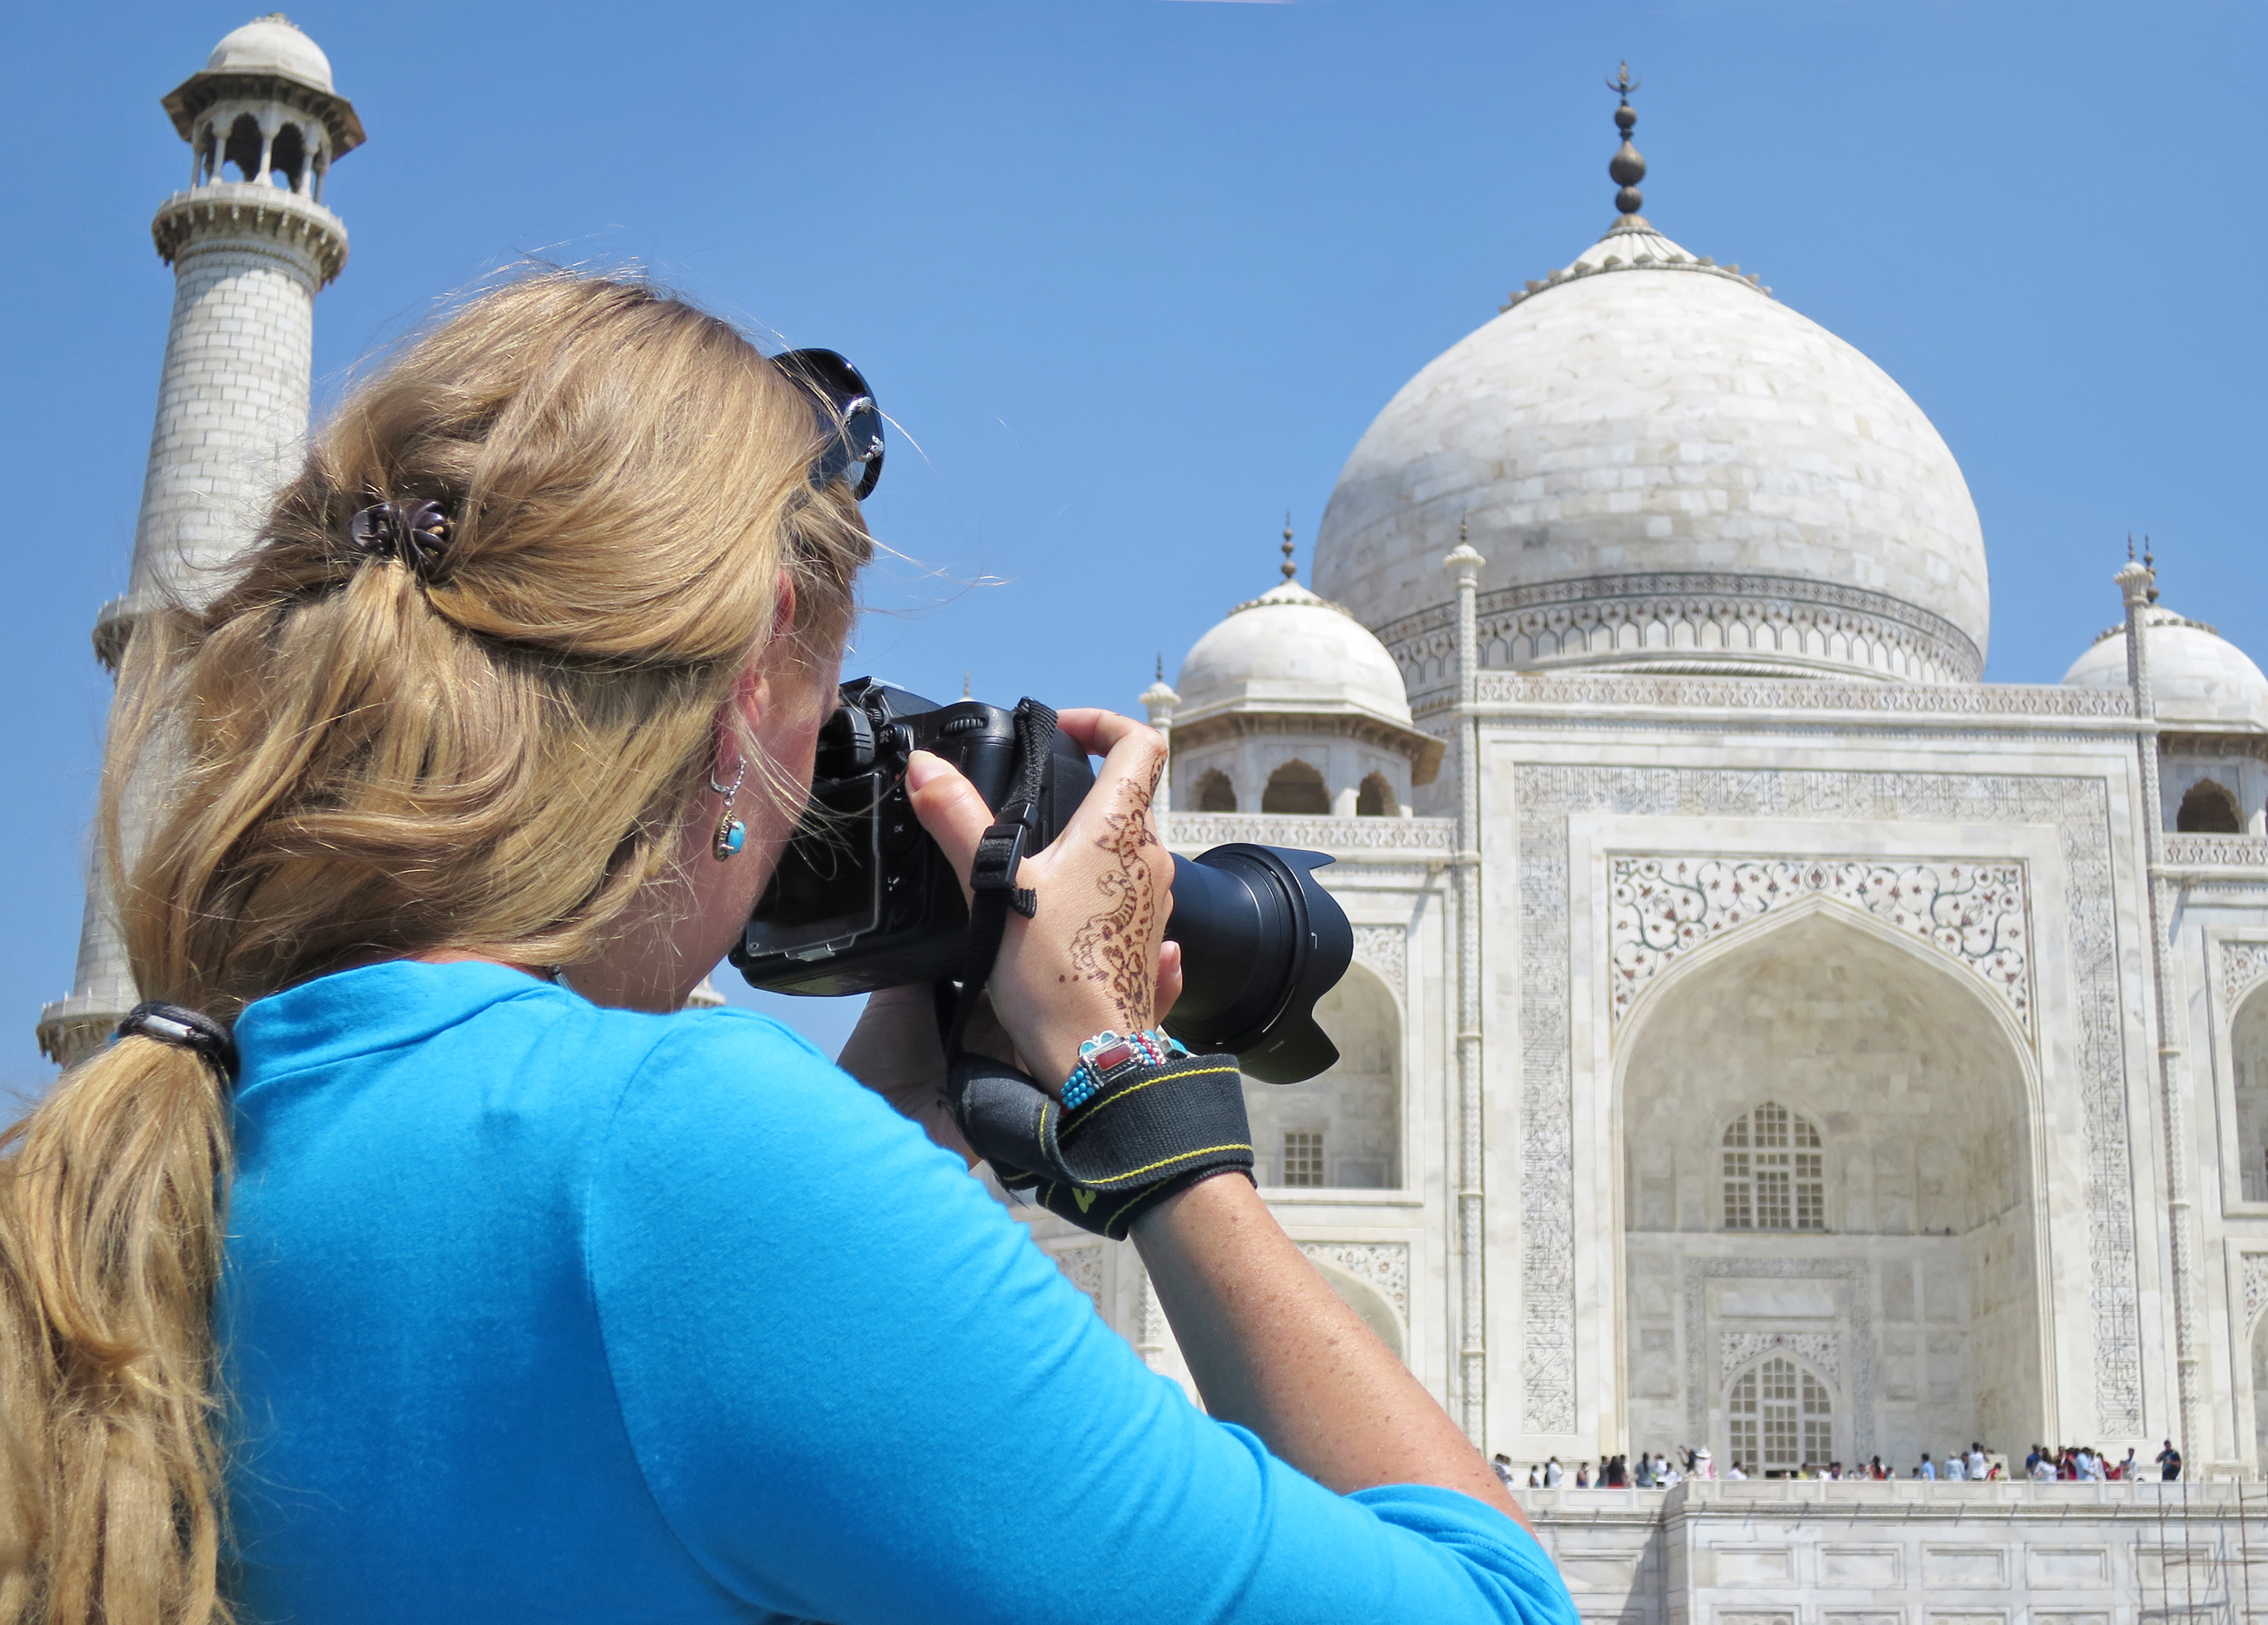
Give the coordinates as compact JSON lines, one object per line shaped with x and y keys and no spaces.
{"x":416,"y":532}
{"x":184,"y":1029}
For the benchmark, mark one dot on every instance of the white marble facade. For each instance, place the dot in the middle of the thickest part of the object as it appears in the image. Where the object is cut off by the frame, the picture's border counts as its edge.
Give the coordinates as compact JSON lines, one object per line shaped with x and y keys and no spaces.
{"x":1744,"y":986}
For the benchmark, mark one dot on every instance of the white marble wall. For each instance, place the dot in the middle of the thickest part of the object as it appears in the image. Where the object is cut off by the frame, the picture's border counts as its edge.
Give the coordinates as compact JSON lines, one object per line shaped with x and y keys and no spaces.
{"x":2059,"y":1000}
{"x":2002,"y":1084}
{"x":1908,"y":1554}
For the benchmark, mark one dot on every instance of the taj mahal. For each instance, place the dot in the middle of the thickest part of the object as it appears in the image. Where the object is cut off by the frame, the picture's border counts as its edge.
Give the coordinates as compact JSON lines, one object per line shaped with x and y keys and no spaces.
{"x":1764,"y":1033}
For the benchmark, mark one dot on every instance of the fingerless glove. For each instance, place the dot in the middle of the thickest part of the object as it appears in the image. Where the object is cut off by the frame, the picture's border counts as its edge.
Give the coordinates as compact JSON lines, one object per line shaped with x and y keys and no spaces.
{"x":1139,"y":1139}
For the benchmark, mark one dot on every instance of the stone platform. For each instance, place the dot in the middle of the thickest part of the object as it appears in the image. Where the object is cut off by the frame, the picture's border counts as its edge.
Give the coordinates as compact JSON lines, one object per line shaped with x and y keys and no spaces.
{"x":1907,"y":1552}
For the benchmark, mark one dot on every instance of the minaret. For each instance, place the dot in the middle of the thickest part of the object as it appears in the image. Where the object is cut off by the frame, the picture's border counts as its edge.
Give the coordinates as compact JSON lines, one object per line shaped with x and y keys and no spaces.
{"x":248,"y":254}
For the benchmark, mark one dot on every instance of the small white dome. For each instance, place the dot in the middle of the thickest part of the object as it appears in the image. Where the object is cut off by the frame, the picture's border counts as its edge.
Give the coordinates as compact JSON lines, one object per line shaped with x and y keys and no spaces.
{"x":271,"y":44}
{"x":2196,"y":675}
{"x":1290,"y":651}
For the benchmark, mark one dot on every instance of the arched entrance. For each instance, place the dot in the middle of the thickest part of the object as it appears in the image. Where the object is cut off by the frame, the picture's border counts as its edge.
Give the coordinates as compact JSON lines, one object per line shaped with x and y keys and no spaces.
{"x":1780,"y":1419}
{"x":1827,"y":1161}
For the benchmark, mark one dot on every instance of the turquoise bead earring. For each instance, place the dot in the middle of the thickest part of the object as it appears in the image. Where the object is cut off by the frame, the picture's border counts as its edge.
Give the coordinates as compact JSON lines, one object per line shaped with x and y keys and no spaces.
{"x":731,"y":834}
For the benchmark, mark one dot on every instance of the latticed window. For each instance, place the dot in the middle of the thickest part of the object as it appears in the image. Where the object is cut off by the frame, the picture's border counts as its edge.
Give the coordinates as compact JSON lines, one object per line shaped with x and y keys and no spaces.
{"x":1775,"y":1172}
{"x":1782,"y":1417}
{"x":1302,"y":1157}
{"x":1819,"y":1421}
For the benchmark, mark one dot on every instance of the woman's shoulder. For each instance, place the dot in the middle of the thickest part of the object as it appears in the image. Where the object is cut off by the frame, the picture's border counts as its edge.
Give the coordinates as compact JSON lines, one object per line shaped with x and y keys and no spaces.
{"x":725,"y":1072}
{"x":725,"y":1029}
{"x":493,"y":1042}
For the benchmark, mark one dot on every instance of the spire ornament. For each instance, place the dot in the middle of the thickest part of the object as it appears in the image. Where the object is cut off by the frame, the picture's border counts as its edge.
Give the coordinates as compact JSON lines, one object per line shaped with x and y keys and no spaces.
{"x":1291,"y":571}
{"x":1626,"y":168}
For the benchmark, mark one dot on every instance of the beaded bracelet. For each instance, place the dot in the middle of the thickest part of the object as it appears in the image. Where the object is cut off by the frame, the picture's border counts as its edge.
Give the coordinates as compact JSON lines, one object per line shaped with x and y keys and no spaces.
{"x":1108,"y":1056}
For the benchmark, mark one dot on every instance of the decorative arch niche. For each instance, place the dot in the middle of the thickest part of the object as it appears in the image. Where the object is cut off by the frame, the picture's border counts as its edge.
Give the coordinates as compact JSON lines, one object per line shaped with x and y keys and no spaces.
{"x":244,"y":147}
{"x":1296,"y":788}
{"x":1924,"y":1253}
{"x":2208,"y":809}
{"x":2248,"y":1063}
{"x":1375,"y":799}
{"x":288,"y":157}
{"x":1215,"y":793}
{"x":2259,"y":1341}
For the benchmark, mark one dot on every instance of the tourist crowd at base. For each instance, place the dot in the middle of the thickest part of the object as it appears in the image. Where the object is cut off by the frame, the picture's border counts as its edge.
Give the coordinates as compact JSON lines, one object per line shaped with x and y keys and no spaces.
{"x":2045,"y":1464}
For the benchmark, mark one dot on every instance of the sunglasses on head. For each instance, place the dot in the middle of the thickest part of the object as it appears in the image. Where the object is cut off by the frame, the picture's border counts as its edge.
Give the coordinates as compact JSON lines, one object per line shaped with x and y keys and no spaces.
{"x":848,"y":417}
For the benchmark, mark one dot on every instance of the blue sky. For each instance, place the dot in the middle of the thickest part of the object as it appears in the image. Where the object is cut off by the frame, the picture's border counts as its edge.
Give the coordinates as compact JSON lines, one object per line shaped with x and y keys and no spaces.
{"x":1135,"y":274}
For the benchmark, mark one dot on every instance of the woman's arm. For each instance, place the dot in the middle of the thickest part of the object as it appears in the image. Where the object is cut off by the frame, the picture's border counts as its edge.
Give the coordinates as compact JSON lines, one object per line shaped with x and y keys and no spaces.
{"x":1270,"y":1345}
{"x":857,"y":1391}
{"x":1274,"y":1349}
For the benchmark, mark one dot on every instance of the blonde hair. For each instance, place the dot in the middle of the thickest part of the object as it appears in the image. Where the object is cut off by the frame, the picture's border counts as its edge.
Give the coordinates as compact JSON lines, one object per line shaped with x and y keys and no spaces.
{"x":340,"y":759}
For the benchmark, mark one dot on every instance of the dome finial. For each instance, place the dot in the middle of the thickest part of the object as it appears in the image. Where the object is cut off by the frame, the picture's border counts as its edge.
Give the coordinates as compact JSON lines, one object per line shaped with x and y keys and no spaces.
{"x":1291,"y":571}
{"x":1626,"y":168}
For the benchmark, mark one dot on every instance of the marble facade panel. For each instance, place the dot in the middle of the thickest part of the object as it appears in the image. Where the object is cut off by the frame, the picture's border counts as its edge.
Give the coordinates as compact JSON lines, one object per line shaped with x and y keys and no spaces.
{"x":2063,"y":824}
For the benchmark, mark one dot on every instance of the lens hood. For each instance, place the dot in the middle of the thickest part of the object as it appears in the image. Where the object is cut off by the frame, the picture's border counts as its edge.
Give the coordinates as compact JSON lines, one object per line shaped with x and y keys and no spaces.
{"x":1261,"y":941}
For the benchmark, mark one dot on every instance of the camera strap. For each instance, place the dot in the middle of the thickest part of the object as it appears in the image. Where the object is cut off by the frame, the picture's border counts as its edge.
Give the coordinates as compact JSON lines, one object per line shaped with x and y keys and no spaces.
{"x":999,"y":856}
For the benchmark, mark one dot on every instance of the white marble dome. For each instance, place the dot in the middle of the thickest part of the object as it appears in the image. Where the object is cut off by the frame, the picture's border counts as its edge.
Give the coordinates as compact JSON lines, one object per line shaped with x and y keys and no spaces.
{"x":271,"y":44}
{"x":1663,"y":466}
{"x":1291,"y":651}
{"x":2196,"y":675}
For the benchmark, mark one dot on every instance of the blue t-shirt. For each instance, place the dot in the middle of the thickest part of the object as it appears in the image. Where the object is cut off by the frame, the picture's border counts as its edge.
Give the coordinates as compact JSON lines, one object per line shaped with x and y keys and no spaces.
{"x":540,"y":1311}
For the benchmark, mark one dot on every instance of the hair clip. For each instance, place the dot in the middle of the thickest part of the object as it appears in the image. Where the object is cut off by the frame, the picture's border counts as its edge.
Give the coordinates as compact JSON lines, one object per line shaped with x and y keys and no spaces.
{"x":416,"y":532}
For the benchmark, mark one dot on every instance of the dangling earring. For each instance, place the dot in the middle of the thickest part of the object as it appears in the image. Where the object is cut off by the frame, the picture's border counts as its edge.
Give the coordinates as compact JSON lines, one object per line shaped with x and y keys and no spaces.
{"x":731,"y":834}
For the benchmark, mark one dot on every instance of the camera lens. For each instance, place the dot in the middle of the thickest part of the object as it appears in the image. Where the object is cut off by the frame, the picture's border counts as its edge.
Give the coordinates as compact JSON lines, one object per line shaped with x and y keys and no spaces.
{"x":1261,"y":941}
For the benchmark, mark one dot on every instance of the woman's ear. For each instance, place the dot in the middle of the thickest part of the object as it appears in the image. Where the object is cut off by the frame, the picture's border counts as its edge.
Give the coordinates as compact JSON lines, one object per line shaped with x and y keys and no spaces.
{"x":783,"y":607}
{"x":740,"y":720}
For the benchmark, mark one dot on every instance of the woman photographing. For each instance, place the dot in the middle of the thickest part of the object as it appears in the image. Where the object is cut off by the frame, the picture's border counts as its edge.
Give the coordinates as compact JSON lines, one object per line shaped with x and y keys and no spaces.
{"x":416,"y":1255}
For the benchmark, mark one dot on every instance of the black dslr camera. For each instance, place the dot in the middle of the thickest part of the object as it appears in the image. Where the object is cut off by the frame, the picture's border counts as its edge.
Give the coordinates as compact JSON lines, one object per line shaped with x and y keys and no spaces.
{"x":863,"y":899}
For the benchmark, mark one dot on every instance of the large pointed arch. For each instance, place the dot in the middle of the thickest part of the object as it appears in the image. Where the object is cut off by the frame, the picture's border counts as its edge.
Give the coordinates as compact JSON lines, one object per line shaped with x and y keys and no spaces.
{"x":1773,"y":1010}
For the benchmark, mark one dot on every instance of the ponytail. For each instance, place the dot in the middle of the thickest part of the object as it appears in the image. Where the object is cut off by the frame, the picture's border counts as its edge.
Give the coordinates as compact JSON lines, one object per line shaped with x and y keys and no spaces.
{"x":110,"y":1216}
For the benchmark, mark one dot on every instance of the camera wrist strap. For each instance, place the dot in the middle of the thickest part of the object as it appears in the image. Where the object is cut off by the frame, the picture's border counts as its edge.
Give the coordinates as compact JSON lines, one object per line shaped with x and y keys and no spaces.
{"x":1000,"y":853}
{"x":1142,"y":1136}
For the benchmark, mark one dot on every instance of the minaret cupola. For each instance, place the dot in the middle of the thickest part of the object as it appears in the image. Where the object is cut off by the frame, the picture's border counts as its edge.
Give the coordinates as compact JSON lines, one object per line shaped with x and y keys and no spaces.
{"x":263,"y":111}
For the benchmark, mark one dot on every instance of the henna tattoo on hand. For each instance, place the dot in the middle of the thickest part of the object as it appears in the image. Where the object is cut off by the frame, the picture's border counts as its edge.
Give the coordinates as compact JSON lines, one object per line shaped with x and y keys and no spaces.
{"x":1115,"y":947}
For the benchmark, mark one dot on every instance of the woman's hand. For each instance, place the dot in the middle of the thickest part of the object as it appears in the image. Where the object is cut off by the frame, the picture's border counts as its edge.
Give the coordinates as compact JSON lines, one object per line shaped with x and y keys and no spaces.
{"x":895,"y":1052}
{"x":1093,"y":954}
